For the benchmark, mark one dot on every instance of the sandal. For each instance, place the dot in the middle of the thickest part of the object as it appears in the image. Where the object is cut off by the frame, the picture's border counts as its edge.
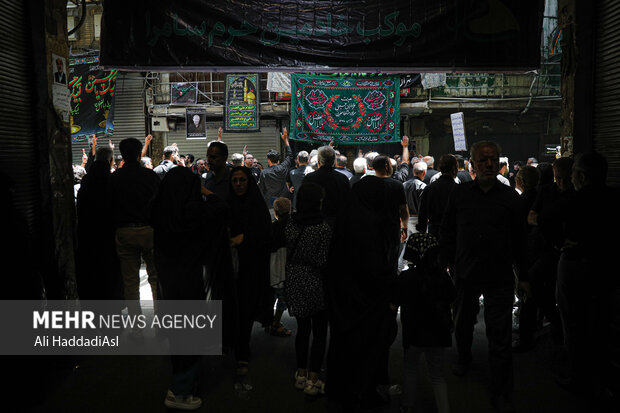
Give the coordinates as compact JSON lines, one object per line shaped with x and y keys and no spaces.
{"x":280,"y":331}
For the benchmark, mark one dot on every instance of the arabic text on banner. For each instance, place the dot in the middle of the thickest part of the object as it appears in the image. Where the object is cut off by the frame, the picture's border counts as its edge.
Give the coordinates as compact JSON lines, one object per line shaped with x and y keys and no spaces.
{"x":242,"y":103}
{"x":92,"y":99}
{"x":347,"y":110}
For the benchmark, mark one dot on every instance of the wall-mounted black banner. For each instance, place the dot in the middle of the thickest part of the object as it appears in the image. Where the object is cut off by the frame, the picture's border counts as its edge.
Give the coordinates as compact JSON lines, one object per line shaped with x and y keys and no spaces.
{"x":286,"y":35}
{"x":92,"y":98}
{"x":241,"y":110}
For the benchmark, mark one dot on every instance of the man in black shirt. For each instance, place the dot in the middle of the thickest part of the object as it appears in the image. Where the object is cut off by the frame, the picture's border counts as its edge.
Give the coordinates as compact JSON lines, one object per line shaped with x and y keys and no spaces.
{"x":341,"y":166}
{"x":272,"y":181}
{"x":252,"y":163}
{"x":401,"y":170}
{"x":359,"y":167}
{"x":543,"y":272}
{"x":462,"y":174}
{"x":171,"y":154}
{"x":413,"y":192}
{"x":134,"y":187}
{"x":377,"y":220}
{"x":335,"y":184}
{"x":480,"y":218}
{"x":217,"y":180}
{"x":435,"y":196}
{"x":587,"y":284}
{"x":295,"y":176}
{"x":430,"y":172}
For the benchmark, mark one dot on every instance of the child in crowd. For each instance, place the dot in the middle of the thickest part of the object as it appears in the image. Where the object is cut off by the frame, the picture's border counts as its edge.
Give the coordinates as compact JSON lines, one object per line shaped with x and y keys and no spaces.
{"x":424,"y":292}
{"x":281,"y":212}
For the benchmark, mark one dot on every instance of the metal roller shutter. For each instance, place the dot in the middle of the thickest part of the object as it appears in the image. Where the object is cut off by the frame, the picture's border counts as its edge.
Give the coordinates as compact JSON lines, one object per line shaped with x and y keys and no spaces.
{"x":258,"y":144}
{"x":128,"y":113}
{"x":607,"y":86}
{"x":19,"y":156}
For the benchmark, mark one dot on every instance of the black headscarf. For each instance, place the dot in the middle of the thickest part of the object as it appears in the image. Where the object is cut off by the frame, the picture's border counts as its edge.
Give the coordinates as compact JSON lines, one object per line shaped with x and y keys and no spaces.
{"x":178,"y":206}
{"x":310,"y":197}
{"x":249,"y":213}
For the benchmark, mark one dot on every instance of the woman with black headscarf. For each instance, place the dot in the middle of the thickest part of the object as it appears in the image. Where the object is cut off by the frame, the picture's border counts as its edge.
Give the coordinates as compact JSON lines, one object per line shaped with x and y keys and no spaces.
{"x":180,"y":218}
{"x":97,"y":267}
{"x":250,"y":234}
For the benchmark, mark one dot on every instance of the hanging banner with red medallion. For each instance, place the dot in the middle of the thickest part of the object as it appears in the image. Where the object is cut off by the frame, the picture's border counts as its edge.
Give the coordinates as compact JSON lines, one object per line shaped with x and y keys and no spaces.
{"x":346,"y":110}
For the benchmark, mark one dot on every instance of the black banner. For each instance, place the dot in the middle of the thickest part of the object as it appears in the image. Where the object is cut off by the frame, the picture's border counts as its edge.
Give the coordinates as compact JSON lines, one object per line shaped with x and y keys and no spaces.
{"x":92,"y":98}
{"x":241,"y":110}
{"x":286,"y":35}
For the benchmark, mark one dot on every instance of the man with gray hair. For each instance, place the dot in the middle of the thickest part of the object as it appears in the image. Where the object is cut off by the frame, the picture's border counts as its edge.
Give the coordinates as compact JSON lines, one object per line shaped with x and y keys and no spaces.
{"x":146,"y":162}
{"x":370,"y":157}
{"x":296,"y":175}
{"x":236,"y":159}
{"x":430,"y":171}
{"x":359,"y":167}
{"x":483,"y":234}
{"x":341,"y":166}
{"x":171,"y":154}
{"x":335,"y":184}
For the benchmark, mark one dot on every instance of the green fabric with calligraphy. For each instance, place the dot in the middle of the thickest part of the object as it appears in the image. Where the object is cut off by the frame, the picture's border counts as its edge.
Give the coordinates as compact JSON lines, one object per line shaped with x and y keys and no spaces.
{"x":348,"y":110}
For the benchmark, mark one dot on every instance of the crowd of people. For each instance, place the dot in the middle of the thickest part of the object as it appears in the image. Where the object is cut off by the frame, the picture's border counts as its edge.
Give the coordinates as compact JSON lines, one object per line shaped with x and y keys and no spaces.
{"x":345,"y":250}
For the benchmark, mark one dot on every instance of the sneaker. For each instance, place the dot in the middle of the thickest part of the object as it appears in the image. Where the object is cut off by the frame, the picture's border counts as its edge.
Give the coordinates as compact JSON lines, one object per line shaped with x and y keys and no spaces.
{"x":314,"y":388}
{"x":300,"y":382}
{"x":182,"y":402}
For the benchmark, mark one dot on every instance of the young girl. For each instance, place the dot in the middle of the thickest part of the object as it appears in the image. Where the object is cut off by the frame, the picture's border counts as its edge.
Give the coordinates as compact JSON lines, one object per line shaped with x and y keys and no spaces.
{"x":424,"y":293}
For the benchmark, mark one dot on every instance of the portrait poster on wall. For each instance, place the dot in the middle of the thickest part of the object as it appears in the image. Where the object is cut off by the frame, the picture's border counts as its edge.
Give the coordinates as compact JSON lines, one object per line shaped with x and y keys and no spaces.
{"x":195,"y":119}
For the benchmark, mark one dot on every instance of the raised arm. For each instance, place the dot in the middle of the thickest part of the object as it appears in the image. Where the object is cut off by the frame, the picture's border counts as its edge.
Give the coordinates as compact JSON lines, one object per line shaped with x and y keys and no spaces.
{"x":405,"y":143}
{"x":145,"y":148}
{"x":289,"y":159}
{"x":93,"y":148}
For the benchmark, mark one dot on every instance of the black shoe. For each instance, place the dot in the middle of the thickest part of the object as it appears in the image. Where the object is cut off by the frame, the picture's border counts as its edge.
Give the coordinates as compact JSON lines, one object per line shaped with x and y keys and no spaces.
{"x":459,"y":369}
{"x":522,"y":346}
{"x":503,"y":404}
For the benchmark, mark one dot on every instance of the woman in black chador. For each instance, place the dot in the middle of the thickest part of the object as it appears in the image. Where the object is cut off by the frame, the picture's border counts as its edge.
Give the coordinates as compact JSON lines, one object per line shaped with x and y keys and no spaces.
{"x":181,"y":218}
{"x":97,"y":267}
{"x":250,"y":235}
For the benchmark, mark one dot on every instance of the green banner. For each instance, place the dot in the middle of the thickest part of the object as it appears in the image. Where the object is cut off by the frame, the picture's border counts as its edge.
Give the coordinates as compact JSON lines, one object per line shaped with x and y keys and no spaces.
{"x":344,"y":109}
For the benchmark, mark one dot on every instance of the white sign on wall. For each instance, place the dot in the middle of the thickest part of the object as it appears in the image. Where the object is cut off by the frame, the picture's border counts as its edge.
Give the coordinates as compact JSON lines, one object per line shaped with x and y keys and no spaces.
{"x":458,"y":131}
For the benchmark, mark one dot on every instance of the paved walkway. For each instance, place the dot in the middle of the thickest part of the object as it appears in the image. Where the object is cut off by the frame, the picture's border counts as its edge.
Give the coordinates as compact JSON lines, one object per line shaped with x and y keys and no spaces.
{"x":138,"y":384}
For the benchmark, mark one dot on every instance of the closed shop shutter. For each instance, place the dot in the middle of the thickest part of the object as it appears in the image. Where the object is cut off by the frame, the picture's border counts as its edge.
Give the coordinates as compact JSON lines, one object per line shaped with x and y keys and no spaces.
{"x":128,"y":113}
{"x":258,"y":144}
{"x":606,"y":134}
{"x":19,"y":155}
